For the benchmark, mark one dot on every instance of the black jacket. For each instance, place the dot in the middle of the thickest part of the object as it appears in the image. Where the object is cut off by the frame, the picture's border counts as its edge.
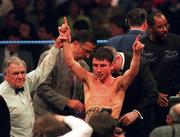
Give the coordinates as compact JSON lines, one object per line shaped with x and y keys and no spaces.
{"x":4,"y":119}
{"x":140,"y":95}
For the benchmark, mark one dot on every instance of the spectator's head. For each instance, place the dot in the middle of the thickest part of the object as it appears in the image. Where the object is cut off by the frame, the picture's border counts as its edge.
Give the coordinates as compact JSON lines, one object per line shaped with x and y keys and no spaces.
{"x":137,"y":18}
{"x":48,"y":125}
{"x":14,"y":70}
{"x":158,"y":26}
{"x":46,"y":31}
{"x":27,"y":30}
{"x":80,"y":25}
{"x":5,"y":7}
{"x":11,"y":19}
{"x":117,"y":25}
{"x":174,"y":114}
{"x":74,"y":8}
{"x":83,"y":44}
{"x":13,"y":34}
{"x":104,"y":125}
{"x":42,"y":6}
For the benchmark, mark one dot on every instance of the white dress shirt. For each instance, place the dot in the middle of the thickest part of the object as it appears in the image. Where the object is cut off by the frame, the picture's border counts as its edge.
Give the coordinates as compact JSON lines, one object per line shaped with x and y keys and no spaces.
{"x":79,"y":127}
{"x":20,"y":105}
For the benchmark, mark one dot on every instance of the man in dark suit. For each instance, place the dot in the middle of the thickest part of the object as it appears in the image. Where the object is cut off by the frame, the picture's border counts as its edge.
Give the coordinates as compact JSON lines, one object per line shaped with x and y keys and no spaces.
{"x":137,"y":111}
{"x":62,"y":92}
{"x":137,"y":22}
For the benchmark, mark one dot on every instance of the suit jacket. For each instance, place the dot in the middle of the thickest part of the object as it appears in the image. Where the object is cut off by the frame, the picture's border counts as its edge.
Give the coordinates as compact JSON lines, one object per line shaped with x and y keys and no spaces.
{"x":53,"y":94}
{"x":166,"y":131}
{"x":5,"y":126}
{"x":24,"y":55}
{"x":140,"y":95}
{"x":124,"y":42}
{"x":1,"y":78}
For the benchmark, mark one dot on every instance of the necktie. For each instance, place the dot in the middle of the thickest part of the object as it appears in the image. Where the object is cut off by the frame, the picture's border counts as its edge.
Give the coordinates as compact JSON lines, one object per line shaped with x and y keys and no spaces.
{"x":71,"y":75}
{"x":72,"y":80}
{"x":19,"y":90}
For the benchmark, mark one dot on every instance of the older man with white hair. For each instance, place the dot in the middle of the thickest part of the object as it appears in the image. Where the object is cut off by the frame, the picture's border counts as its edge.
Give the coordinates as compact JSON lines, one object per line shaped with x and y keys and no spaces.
{"x":173,"y":127}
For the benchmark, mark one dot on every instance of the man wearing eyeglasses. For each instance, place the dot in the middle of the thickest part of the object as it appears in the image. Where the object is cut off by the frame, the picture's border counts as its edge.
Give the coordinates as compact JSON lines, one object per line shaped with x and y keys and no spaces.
{"x":61,"y":92}
{"x":162,"y":51}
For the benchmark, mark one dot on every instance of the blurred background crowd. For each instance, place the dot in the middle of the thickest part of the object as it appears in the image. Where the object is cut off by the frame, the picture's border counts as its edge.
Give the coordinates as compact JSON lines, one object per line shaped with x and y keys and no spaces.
{"x":39,"y":19}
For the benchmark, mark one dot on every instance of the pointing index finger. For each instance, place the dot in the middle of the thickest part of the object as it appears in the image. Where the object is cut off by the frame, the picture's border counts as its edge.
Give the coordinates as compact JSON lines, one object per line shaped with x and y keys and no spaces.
{"x":138,"y":37}
{"x":65,"y":21}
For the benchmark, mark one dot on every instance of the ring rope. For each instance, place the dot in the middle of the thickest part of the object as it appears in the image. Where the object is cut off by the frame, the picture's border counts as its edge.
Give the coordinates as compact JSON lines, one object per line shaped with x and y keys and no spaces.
{"x":39,"y":42}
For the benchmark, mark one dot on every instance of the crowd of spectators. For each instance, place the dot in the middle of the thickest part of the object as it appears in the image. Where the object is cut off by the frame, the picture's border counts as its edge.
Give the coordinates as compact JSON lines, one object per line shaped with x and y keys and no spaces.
{"x":39,"y":19}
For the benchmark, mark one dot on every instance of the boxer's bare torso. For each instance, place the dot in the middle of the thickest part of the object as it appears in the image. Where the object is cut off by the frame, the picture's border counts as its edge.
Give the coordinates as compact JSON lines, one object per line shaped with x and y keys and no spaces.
{"x":107,"y":94}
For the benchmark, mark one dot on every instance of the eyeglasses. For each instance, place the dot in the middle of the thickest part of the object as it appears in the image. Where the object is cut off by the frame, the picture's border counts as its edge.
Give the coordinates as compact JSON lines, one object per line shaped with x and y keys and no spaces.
{"x":87,"y":51}
{"x":166,"y":26}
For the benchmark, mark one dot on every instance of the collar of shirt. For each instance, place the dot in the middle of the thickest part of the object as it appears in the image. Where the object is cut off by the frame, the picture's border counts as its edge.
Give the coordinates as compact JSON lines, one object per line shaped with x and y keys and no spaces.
{"x":123,"y":59}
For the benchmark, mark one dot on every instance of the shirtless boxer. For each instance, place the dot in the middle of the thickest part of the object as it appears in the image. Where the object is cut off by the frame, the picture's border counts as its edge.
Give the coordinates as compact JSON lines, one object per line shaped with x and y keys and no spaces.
{"x":101,"y":90}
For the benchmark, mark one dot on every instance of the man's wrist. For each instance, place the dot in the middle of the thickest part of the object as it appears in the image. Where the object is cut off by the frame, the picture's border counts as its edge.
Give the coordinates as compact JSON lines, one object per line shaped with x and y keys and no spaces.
{"x":58,"y":45}
{"x":139,"y":114}
{"x":137,"y":53}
